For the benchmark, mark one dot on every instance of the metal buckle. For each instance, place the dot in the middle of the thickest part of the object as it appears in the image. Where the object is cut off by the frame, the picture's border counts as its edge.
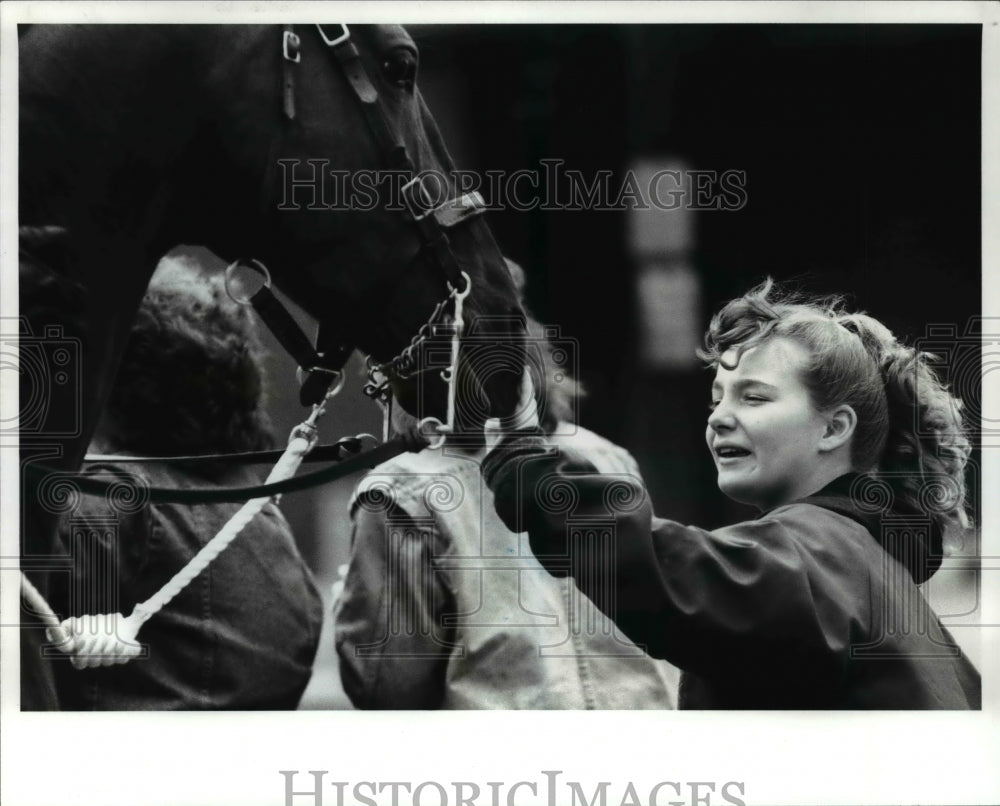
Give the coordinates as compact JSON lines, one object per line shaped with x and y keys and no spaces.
{"x":427,"y":206}
{"x":344,"y":35}
{"x":434,"y":431}
{"x":290,"y":45}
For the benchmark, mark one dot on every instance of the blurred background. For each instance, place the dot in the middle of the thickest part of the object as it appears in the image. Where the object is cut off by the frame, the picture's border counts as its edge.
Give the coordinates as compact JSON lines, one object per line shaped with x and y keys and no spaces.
{"x":859,"y":148}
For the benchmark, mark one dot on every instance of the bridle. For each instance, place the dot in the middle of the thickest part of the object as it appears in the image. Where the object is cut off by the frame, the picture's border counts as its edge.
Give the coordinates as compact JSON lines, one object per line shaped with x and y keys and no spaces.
{"x":430,"y":218}
{"x":324,"y":367}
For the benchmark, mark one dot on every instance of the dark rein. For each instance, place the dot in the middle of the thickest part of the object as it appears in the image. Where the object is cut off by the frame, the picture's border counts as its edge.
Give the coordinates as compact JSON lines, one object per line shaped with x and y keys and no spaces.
{"x":321,"y":368}
{"x":89,"y":485}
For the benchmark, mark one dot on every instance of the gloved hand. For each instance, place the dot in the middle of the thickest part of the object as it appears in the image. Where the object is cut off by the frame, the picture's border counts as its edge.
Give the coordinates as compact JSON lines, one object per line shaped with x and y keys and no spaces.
{"x":539,"y":486}
{"x":524,"y":418}
{"x":591,"y":526}
{"x":552,"y":491}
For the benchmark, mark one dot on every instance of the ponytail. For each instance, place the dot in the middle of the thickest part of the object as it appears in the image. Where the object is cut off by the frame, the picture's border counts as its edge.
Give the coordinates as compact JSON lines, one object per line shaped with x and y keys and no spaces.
{"x":927,"y":450}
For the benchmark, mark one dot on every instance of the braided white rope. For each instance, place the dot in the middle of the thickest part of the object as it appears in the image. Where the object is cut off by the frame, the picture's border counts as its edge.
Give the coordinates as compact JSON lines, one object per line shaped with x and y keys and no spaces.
{"x":80,"y":637}
{"x":109,"y":639}
{"x":41,"y":609}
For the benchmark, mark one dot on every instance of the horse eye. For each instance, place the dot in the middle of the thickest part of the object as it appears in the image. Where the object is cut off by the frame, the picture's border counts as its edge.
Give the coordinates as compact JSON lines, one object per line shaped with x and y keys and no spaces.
{"x":400,"y":68}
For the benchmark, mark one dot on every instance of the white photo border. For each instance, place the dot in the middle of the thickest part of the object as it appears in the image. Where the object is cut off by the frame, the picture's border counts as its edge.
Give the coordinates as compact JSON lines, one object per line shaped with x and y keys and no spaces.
{"x":141,"y":759}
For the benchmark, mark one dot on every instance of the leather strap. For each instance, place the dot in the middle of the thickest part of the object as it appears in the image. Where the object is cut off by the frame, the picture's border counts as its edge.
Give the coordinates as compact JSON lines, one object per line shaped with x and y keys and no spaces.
{"x":432,"y":235}
{"x":332,"y":452}
{"x":456,"y":211}
{"x":332,"y":355}
{"x":88,"y":485}
{"x":291,"y":55}
{"x":285,"y":329}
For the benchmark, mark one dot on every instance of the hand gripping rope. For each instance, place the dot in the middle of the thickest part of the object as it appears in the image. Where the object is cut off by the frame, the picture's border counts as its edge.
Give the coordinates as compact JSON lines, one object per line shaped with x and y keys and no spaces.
{"x":109,"y":639}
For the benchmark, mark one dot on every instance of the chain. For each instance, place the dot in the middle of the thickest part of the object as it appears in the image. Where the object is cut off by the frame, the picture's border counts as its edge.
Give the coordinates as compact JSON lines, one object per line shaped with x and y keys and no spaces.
{"x":406,"y":364}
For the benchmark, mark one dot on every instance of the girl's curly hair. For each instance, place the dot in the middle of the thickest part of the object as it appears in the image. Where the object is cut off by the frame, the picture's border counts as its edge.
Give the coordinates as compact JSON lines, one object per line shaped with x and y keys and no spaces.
{"x":190,"y":380}
{"x":910,"y":432}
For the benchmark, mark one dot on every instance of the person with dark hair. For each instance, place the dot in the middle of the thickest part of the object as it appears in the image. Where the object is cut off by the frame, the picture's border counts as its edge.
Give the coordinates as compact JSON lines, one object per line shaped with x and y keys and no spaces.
{"x":854,"y":453}
{"x":444,"y":607}
{"x":244,"y":633}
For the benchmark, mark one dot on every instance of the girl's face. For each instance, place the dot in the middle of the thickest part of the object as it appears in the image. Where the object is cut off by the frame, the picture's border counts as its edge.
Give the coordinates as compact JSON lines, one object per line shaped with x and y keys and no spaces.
{"x":763,"y":431}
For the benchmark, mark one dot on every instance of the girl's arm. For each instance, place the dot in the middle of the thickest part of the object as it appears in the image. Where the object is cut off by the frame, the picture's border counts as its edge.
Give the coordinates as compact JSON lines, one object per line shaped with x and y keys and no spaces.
{"x":780,"y":593}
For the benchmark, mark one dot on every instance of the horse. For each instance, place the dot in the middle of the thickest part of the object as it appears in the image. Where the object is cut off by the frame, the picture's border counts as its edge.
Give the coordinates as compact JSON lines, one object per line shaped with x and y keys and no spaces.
{"x":137,"y":139}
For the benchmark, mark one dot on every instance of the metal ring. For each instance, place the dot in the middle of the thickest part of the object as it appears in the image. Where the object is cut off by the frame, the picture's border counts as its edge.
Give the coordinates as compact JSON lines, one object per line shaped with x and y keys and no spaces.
{"x":372,"y":437}
{"x":254,"y":265}
{"x":301,"y":374}
{"x":439,"y":427}
{"x":464,"y":293}
{"x":338,"y":384}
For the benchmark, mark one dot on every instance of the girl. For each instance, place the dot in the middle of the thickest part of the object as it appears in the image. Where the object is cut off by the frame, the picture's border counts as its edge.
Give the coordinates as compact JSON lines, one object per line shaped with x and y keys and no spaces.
{"x":854,"y":453}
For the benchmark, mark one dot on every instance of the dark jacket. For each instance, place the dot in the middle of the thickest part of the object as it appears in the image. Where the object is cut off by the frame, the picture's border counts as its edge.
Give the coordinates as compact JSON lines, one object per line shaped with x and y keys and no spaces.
{"x":801,"y":608}
{"x":242,"y":635}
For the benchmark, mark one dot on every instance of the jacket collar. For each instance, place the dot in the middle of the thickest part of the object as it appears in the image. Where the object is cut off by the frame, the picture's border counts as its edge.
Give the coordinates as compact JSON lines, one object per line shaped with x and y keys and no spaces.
{"x":919,"y":547}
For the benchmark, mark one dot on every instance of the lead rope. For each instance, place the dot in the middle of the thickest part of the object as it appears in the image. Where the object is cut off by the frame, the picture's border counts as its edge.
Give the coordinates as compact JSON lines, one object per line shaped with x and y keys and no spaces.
{"x":109,"y":639}
{"x":41,"y":608}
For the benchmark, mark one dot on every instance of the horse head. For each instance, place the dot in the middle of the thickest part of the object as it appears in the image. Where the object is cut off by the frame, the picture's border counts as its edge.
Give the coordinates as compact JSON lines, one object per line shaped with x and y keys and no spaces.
{"x":339,"y":168}
{"x":287,"y":145}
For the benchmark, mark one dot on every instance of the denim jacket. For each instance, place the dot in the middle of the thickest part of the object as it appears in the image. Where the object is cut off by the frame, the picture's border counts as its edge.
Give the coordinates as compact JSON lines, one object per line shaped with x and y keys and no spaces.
{"x":242,"y":635}
{"x":444,"y":607}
